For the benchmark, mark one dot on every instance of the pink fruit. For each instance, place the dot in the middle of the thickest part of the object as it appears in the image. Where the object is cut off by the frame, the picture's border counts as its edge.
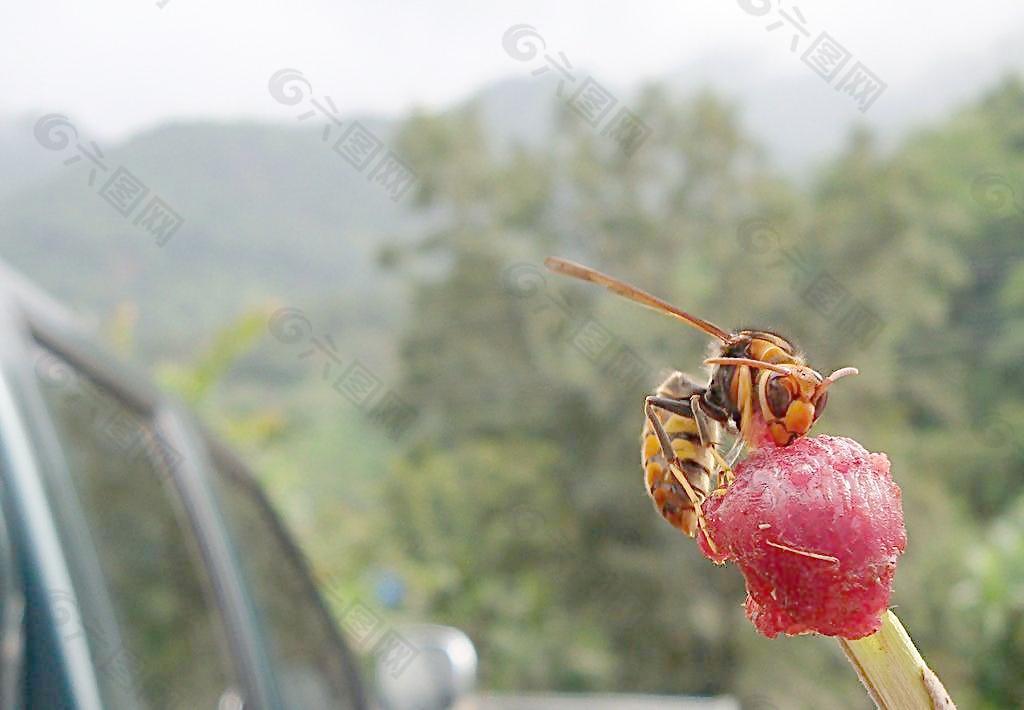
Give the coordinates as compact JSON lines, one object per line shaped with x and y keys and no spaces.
{"x":816,"y":529}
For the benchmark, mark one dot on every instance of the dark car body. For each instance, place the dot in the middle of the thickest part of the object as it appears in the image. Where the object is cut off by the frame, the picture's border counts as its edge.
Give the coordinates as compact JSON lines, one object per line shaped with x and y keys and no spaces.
{"x":140,"y":563}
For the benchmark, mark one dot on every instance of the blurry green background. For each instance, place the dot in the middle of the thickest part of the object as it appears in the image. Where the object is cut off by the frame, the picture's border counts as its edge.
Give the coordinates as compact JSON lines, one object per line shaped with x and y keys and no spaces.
{"x":509,"y":502}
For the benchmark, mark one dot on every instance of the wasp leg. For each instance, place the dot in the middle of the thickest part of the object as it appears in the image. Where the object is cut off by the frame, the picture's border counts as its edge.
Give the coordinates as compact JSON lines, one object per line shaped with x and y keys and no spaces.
{"x":699,"y":416}
{"x":727,"y":475}
{"x":745,"y":392}
{"x":692,"y":410}
{"x":675,"y":465}
{"x":681,"y":407}
{"x":736,"y":451}
{"x":704,"y":429}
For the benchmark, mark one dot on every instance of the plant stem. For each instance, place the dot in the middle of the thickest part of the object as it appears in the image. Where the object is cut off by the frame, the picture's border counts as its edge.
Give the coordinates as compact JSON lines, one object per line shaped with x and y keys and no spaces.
{"x":893,"y":672}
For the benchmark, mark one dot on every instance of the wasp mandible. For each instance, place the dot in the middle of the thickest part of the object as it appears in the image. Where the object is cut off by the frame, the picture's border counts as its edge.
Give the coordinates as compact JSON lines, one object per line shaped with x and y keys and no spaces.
{"x":760,"y":388}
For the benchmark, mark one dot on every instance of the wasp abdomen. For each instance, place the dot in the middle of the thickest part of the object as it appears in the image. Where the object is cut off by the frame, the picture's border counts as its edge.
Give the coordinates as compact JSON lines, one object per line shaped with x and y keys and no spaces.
{"x":668,"y":495}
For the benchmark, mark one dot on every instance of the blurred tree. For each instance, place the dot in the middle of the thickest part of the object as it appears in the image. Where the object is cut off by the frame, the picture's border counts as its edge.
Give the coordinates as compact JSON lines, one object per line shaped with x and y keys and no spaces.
{"x":992,"y":597}
{"x":516,"y":510}
{"x":498,"y":354}
{"x":194,"y":382}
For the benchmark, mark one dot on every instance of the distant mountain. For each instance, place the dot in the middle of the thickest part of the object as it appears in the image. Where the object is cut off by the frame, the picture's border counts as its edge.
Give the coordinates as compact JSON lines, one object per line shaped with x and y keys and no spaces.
{"x":800,"y":120}
{"x":271,"y":211}
{"x":268,"y":212}
{"x":22,"y":162}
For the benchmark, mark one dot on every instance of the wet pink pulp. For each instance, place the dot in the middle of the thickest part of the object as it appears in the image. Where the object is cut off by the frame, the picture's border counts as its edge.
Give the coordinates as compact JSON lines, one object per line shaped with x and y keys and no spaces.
{"x":760,"y":436}
{"x":816,"y":529}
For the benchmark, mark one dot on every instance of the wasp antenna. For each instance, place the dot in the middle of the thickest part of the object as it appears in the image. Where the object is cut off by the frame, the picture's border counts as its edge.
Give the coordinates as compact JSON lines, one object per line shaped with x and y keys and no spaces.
{"x":585,"y":273}
{"x":747,"y":361}
{"x":837,"y":375}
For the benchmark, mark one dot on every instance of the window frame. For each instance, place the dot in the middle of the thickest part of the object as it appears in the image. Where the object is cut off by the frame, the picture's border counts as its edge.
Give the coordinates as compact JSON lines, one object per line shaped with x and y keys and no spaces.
{"x":234,"y":466}
{"x":38,"y":471}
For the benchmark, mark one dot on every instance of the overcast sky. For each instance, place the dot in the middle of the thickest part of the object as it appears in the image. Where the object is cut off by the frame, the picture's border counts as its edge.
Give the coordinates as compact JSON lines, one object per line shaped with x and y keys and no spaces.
{"x":120,"y":65}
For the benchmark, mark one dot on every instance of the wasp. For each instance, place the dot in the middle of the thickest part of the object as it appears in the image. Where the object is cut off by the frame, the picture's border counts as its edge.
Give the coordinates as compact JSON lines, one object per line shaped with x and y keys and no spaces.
{"x":760,"y":389}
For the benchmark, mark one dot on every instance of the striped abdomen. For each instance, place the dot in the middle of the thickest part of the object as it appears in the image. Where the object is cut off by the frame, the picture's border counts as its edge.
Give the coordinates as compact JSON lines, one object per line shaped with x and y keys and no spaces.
{"x":669,"y":496}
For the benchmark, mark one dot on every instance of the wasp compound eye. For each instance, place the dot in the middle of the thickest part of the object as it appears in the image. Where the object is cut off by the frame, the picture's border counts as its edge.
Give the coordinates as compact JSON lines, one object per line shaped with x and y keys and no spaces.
{"x":819,"y":405}
{"x":779,"y":397}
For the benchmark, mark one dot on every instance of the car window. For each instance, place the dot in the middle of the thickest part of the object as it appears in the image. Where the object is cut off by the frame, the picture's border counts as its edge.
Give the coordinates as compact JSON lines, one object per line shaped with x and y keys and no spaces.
{"x":313,"y":668}
{"x":168,"y":649}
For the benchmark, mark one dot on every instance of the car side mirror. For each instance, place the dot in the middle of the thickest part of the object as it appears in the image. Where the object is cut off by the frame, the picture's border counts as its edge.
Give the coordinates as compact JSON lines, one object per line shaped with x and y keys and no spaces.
{"x":441,"y":670}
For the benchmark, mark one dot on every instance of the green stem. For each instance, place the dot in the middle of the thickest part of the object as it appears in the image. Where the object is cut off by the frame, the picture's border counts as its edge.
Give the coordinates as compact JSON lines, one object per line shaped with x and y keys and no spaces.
{"x":893,"y":672}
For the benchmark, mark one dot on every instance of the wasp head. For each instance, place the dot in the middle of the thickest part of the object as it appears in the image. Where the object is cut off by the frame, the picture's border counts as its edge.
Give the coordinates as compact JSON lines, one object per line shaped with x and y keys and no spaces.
{"x":792,"y":398}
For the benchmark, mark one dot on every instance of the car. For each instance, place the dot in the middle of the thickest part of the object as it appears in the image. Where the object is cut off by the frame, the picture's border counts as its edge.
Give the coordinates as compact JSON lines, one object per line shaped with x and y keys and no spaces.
{"x":141,"y":564}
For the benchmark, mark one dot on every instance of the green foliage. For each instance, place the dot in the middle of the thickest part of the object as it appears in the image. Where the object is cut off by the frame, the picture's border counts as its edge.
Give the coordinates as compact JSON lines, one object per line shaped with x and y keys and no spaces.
{"x":992,"y":598}
{"x":193,"y":382}
{"x":594,"y":592}
{"x":515,"y":508}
